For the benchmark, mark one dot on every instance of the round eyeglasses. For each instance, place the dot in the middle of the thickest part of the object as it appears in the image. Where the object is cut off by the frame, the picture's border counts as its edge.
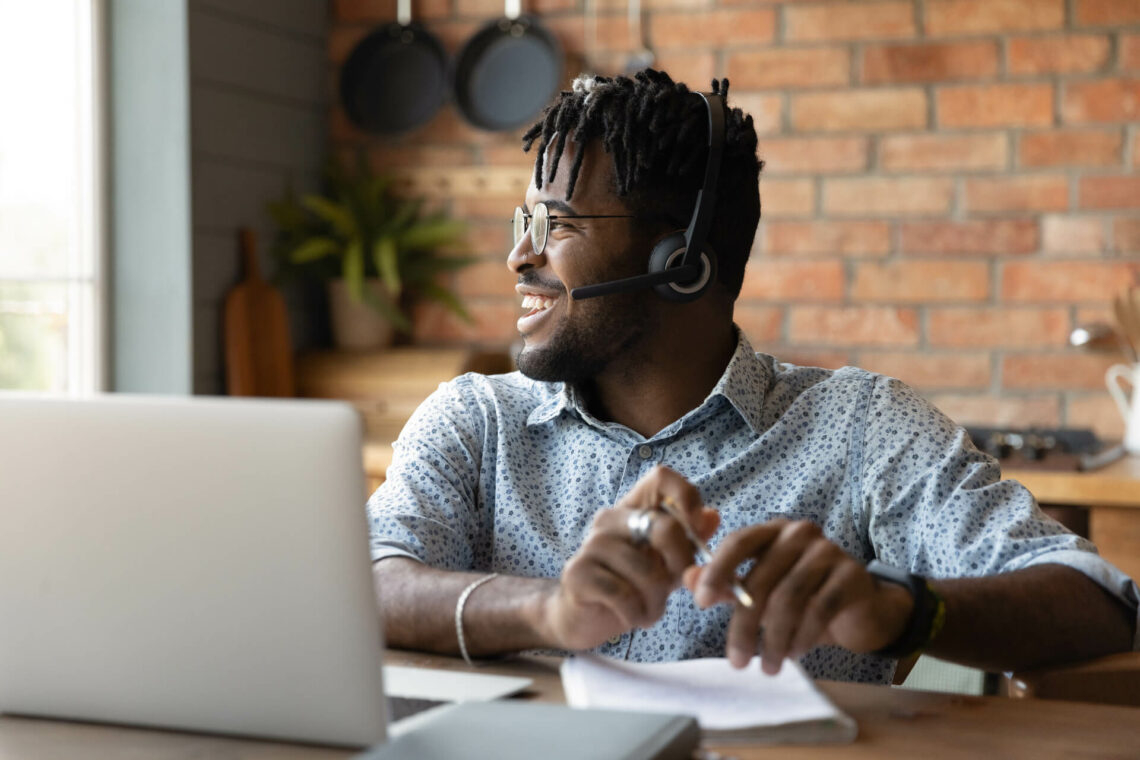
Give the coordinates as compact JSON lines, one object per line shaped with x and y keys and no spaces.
{"x":538,"y":222}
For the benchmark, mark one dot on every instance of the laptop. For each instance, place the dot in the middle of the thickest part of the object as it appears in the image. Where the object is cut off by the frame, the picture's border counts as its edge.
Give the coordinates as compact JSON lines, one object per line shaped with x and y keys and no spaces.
{"x":193,"y":563}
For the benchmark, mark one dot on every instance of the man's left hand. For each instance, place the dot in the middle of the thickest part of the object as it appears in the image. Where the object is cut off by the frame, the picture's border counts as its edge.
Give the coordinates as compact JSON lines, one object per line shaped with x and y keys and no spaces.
{"x":807,"y":592}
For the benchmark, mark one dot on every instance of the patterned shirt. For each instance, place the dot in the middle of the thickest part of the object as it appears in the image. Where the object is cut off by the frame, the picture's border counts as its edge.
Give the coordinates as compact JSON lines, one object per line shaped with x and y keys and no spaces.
{"x":504,"y":474}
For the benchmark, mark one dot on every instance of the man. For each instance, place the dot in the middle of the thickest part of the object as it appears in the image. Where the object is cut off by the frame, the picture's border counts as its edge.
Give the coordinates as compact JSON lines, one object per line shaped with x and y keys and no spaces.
{"x":544,"y":509}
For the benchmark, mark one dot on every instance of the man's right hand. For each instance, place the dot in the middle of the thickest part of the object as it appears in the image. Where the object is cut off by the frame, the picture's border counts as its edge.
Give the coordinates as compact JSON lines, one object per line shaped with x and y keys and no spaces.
{"x":611,"y":586}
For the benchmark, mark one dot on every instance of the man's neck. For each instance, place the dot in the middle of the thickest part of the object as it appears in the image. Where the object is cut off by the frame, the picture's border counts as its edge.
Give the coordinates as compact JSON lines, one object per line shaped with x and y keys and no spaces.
{"x":663,"y":382}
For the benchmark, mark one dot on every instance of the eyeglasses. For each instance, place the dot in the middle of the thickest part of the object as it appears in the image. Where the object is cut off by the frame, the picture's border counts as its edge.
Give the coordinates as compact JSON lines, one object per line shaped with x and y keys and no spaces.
{"x":539,"y":224}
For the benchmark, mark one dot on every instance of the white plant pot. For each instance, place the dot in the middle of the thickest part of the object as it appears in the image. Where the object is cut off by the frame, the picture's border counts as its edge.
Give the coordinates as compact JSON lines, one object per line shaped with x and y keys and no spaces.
{"x":357,"y":326}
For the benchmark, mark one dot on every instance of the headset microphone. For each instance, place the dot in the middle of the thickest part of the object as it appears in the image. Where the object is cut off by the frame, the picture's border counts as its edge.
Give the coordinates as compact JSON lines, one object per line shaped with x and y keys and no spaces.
{"x":686,"y":279}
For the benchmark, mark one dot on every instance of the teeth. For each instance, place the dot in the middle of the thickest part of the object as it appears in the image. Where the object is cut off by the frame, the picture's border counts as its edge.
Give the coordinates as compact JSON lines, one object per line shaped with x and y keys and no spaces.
{"x":537,"y":302}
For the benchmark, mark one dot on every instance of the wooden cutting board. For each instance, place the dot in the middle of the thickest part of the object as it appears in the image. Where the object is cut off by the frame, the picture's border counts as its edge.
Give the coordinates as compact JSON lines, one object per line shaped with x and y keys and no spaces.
{"x":259,"y":355}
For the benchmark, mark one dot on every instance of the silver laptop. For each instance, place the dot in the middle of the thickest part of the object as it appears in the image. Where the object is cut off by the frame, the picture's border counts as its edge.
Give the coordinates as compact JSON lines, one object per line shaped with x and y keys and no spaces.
{"x":189,"y":563}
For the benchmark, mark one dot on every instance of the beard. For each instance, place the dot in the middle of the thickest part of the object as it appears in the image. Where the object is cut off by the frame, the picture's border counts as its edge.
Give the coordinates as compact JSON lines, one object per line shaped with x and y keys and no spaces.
{"x":581,"y":346}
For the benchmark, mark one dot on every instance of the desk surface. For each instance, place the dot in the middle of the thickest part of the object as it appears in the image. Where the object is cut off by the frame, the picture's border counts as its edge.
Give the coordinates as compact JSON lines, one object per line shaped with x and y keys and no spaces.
{"x":1117,"y":485}
{"x":892,"y":723}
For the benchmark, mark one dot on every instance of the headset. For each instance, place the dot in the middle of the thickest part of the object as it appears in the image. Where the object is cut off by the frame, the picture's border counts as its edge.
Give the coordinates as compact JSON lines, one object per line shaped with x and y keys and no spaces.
{"x":688,"y":279}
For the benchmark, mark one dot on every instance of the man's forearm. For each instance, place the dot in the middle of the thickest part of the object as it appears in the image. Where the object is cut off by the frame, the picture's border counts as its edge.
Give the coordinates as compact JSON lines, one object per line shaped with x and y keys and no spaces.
{"x":418,"y":602}
{"x":1039,"y":616}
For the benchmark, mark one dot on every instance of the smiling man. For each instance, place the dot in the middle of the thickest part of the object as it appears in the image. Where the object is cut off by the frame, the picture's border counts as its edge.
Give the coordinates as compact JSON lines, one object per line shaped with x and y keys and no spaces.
{"x":849,"y":520}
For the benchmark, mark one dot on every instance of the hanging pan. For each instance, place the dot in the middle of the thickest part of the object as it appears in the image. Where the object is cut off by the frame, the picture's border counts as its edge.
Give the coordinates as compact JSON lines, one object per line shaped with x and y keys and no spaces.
{"x":395,"y":79}
{"x":507,"y":72}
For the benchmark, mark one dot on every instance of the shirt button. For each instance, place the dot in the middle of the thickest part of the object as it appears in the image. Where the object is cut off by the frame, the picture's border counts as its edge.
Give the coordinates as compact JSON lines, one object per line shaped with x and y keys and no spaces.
{"x":645,"y":451}
{"x":615,"y":639}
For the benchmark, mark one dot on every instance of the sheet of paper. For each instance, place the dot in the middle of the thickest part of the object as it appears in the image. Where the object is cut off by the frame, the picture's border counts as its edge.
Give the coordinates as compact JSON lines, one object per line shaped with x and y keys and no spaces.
{"x":720,"y":696}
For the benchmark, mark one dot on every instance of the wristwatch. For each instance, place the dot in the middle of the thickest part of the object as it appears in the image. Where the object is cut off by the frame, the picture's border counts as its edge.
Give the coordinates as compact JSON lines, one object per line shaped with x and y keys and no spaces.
{"x":926,"y":616}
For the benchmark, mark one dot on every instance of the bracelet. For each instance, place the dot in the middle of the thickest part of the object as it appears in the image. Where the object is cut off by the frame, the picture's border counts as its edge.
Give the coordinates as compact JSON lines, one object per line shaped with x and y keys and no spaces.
{"x":927,"y":615}
{"x":459,"y":614}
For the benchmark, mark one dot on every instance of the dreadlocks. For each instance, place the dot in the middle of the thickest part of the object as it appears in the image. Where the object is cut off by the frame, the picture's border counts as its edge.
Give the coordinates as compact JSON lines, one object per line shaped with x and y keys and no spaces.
{"x":656,"y":133}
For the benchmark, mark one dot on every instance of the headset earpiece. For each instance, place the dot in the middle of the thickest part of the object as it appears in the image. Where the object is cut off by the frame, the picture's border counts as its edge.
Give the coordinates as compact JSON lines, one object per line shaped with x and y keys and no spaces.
{"x":668,"y":253}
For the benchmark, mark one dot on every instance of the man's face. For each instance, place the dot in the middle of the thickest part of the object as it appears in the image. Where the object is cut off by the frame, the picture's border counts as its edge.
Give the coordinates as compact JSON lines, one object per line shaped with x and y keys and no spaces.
{"x":568,"y":340}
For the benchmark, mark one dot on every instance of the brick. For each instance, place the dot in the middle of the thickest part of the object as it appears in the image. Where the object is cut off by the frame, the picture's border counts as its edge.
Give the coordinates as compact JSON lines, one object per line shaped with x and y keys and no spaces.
{"x":695,"y":67}
{"x":921,"y":282}
{"x":997,"y":105}
{"x":946,"y":18}
{"x":929,"y":62}
{"x":809,"y":155}
{"x":926,"y":371}
{"x":783,"y":280}
{"x":719,"y":27}
{"x":384,"y":159}
{"x":487,"y":277}
{"x":849,"y":21}
{"x":1056,"y":371}
{"x":876,"y":196}
{"x":853,"y":326}
{"x":342,"y":39}
{"x":794,"y":67}
{"x":1058,"y":55}
{"x":1110,"y":192}
{"x":509,"y":154}
{"x":1055,"y":282}
{"x":1040,"y":410}
{"x":1107,"y":12}
{"x":761,"y":324}
{"x":781,"y":198}
{"x":767,"y":111}
{"x":989,"y":236}
{"x":859,"y":110}
{"x":975,"y":328}
{"x":383,"y":11}
{"x":493,"y":323}
{"x":1070,"y":147}
{"x":827,"y":238}
{"x":1097,"y":411}
{"x":1101,"y":101}
{"x":1126,"y":235}
{"x":1130,"y":52}
{"x":926,"y":152}
{"x":1040,"y":192}
{"x":1072,"y":235}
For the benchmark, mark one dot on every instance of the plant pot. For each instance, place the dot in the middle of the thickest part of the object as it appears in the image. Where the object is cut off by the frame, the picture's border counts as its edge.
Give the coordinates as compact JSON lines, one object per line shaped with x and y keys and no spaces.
{"x":357,"y":326}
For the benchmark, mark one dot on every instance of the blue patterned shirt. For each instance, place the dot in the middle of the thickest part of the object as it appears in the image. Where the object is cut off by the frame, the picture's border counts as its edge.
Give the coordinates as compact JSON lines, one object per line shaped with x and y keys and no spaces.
{"x":504,"y":474}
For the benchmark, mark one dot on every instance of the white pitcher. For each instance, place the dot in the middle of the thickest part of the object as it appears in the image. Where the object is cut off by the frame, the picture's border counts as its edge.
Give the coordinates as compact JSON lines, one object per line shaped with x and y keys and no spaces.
{"x":1129,"y":409}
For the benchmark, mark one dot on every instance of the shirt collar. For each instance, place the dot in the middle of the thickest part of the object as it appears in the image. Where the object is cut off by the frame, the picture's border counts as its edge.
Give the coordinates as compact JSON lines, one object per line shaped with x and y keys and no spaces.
{"x":743,"y":385}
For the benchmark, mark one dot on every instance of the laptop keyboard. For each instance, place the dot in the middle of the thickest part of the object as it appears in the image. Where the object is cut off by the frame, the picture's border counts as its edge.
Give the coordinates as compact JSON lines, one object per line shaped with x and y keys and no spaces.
{"x":402,"y":707}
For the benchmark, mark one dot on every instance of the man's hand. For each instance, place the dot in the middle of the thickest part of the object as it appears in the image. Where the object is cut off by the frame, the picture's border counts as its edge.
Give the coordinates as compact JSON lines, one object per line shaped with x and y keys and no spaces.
{"x":807,"y":592}
{"x":611,"y":586}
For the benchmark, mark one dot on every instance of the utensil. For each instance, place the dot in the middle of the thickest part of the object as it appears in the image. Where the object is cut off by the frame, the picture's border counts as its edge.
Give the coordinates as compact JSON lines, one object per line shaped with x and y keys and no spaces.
{"x":507,"y":71}
{"x":259,"y":355}
{"x":395,"y":79}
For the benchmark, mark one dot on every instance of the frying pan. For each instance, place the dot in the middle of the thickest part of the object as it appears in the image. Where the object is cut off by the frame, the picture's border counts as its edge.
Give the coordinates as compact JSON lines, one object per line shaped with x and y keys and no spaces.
{"x":395,"y":79}
{"x":507,"y":71}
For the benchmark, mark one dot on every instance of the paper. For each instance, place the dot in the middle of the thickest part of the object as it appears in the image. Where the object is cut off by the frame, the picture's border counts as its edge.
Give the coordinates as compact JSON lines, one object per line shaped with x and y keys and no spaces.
{"x":723,"y":699}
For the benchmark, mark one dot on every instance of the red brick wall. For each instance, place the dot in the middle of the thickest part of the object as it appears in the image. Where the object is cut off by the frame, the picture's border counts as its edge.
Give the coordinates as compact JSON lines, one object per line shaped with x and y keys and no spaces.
{"x":950,"y":187}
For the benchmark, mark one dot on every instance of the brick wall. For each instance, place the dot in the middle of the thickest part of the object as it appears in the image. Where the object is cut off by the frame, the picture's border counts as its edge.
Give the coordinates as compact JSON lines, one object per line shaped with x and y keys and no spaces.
{"x":950,"y":184}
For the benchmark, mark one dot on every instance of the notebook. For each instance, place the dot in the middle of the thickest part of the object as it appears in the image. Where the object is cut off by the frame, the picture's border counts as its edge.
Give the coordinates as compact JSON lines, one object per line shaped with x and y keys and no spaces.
{"x":198,"y":564}
{"x":730,"y":705}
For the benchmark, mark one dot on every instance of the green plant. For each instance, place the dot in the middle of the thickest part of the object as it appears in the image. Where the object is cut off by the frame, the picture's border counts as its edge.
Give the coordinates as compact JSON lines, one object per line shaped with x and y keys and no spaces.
{"x":359,"y":228}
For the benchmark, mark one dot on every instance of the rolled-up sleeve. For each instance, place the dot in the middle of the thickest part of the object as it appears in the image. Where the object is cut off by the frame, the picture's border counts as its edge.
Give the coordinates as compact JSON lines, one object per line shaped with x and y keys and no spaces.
{"x":936,"y":505}
{"x":426,"y":509}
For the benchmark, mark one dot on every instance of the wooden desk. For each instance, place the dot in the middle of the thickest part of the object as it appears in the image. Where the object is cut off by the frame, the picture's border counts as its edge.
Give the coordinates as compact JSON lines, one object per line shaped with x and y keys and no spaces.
{"x":1112,"y":497}
{"x":892,"y":723}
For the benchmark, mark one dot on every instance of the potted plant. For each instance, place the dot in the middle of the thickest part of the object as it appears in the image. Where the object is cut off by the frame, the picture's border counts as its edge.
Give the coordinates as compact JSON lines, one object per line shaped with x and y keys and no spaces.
{"x":377,"y":251}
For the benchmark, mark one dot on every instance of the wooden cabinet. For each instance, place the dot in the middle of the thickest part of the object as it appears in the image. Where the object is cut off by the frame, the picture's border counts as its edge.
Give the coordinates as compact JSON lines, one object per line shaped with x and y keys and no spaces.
{"x":386,"y":387}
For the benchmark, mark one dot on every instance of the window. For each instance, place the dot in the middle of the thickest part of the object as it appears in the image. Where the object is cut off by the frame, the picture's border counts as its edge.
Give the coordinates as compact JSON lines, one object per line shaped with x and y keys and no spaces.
{"x":51,"y":195}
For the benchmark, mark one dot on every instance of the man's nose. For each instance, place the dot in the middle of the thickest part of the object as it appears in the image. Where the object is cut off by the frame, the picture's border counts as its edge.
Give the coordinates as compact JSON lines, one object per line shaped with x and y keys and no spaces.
{"x":523,"y":256}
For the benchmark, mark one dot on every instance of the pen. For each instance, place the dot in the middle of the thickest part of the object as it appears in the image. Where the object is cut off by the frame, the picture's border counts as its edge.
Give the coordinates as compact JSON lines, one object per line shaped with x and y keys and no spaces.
{"x":701,"y":550}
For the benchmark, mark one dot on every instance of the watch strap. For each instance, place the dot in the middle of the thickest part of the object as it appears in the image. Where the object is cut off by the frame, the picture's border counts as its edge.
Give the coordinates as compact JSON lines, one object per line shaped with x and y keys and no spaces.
{"x":926,"y":617}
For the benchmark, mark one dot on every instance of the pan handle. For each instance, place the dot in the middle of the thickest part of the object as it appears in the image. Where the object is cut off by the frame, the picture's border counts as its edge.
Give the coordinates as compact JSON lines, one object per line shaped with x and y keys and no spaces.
{"x":404,"y":12}
{"x":513,"y":9}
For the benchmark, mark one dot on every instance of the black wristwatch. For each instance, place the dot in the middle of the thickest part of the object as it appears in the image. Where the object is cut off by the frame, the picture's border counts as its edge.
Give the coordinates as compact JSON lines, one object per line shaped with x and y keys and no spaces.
{"x":926,"y":617}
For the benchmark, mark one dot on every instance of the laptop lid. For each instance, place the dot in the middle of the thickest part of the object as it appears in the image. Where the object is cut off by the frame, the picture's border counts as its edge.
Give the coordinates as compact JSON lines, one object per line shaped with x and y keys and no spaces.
{"x":190,"y":563}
